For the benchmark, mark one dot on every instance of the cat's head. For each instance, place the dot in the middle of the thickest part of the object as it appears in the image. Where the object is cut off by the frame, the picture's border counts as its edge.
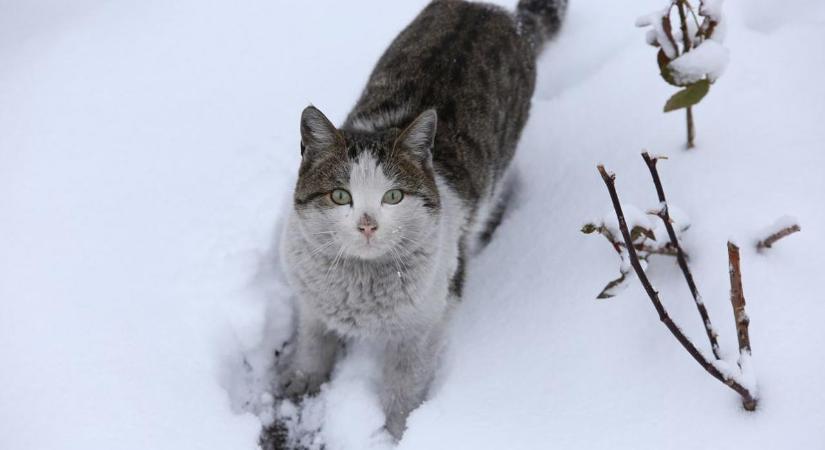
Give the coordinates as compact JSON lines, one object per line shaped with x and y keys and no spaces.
{"x":366,"y":194}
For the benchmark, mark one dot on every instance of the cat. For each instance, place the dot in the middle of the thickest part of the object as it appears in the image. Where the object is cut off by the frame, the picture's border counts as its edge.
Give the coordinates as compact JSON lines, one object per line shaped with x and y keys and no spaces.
{"x":388,"y":207}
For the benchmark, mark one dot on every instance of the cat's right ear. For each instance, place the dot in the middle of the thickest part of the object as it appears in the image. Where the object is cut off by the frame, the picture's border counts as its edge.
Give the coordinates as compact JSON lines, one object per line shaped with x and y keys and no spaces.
{"x":317,"y":132}
{"x":418,"y":138}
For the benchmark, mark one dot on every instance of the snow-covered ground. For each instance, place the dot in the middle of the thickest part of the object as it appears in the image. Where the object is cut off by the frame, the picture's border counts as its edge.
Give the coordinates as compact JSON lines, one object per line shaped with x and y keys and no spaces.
{"x":147,"y":150}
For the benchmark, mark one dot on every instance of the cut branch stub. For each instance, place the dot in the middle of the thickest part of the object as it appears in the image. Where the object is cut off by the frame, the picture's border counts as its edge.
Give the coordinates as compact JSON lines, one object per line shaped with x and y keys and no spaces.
{"x":770,"y":240}
{"x":737,"y":301}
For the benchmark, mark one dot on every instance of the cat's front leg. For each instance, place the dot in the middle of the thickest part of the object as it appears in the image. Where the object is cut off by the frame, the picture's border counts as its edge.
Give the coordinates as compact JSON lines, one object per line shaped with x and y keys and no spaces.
{"x":409,"y":365}
{"x":313,"y":359}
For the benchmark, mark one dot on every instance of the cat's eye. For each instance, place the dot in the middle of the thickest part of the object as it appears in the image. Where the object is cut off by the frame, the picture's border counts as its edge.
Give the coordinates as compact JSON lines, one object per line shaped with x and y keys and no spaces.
{"x":393,"y":196}
{"x":340,"y":197}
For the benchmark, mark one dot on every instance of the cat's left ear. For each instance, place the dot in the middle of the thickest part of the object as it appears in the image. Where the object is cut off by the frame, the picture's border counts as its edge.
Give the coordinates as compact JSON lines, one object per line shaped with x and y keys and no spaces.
{"x":418,"y":138}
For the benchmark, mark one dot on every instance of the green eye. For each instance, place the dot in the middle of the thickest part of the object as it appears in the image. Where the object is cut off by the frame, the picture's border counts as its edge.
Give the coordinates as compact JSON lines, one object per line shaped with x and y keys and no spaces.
{"x":392,"y":197}
{"x":340,"y":197}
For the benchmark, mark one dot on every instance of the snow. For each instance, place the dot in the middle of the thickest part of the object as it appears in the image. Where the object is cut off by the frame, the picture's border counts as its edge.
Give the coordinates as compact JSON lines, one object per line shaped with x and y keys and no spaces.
{"x":711,"y":9}
{"x":633,"y":216}
{"x":747,"y":373}
{"x":709,"y":58}
{"x":148,"y":149}
{"x":658,"y":36}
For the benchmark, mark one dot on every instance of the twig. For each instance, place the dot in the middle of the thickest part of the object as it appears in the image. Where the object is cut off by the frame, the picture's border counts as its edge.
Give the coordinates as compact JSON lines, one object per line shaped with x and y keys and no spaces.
{"x":664,"y":214}
{"x":691,"y":129}
{"x":688,"y":46}
{"x":737,"y":300}
{"x":609,"y":181}
{"x":770,"y":240}
{"x":666,"y":251}
{"x":680,"y":6}
{"x":693,"y":13}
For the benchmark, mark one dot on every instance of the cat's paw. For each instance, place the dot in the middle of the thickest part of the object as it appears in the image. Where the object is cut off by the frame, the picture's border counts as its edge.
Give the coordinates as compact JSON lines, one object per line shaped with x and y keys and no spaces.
{"x":297,"y":383}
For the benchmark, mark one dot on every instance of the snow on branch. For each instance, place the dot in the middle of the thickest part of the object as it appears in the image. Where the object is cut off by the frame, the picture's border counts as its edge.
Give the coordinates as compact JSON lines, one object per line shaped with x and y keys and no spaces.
{"x":739,"y":378}
{"x":647,"y":240}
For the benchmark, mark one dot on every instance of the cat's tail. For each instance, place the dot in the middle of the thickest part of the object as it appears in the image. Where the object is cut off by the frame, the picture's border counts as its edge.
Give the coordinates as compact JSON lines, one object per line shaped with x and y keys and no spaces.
{"x":540,"y":20}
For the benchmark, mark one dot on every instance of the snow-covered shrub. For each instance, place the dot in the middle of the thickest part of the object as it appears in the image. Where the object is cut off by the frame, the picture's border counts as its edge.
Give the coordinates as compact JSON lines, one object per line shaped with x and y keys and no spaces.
{"x":648,"y":235}
{"x":691,"y":57}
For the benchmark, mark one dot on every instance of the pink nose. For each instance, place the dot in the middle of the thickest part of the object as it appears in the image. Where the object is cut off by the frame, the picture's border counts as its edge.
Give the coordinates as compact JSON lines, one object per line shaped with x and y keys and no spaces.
{"x":367,"y":226}
{"x":367,"y":230}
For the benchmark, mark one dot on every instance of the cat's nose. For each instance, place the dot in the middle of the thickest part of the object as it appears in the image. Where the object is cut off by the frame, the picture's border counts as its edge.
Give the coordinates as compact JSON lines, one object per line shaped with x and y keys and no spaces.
{"x":367,"y":226}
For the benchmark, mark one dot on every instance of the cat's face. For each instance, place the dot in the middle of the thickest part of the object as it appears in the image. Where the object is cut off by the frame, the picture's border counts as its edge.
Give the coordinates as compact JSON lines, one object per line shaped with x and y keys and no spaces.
{"x":366,"y":195}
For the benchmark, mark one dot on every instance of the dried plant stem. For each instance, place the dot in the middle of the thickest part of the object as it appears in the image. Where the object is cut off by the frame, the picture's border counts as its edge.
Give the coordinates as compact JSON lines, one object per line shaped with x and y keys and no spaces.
{"x":609,"y":181}
{"x":687,"y":46}
{"x":666,"y":251}
{"x":691,"y":130}
{"x":664,"y":214}
{"x":680,"y":6}
{"x":770,"y":240}
{"x":737,"y":300}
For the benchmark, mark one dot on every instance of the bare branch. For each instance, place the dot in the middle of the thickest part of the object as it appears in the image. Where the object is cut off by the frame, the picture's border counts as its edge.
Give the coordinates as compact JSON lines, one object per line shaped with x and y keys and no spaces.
{"x":686,"y":42}
{"x":687,"y":46}
{"x":609,"y":181}
{"x":770,"y":240}
{"x":737,"y":300}
{"x":664,"y":214}
{"x":667,"y":250}
{"x":668,"y":30}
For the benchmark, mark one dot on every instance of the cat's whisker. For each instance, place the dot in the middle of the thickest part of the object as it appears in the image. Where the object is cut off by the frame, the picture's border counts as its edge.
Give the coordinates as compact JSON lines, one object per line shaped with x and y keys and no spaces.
{"x":395,"y":260}
{"x":411,"y":240}
{"x":322,"y":247}
{"x":323,"y":232}
{"x":315,"y":252}
{"x":335,"y":262}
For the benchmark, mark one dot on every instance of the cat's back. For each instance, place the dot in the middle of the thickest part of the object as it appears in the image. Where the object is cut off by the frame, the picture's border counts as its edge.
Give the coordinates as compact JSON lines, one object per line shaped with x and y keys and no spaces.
{"x":470,"y":63}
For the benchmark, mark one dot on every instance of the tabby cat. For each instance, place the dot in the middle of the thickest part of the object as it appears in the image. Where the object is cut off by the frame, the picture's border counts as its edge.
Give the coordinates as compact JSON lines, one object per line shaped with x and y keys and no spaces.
{"x":389,"y":205}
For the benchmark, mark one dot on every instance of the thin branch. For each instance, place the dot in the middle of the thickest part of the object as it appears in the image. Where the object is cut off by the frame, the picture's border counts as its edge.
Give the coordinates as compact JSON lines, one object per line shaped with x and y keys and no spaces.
{"x":737,"y":300}
{"x":665,"y":251}
{"x":770,"y":240}
{"x":693,"y":13}
{"x":604,"y":231}
{"x":687,"y":46}
{"x":664,"y":214}
{"x":667,"y":28}
{"x":680,"y":6}
{"x":609,"y":181}
{"x":691,"y":128}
